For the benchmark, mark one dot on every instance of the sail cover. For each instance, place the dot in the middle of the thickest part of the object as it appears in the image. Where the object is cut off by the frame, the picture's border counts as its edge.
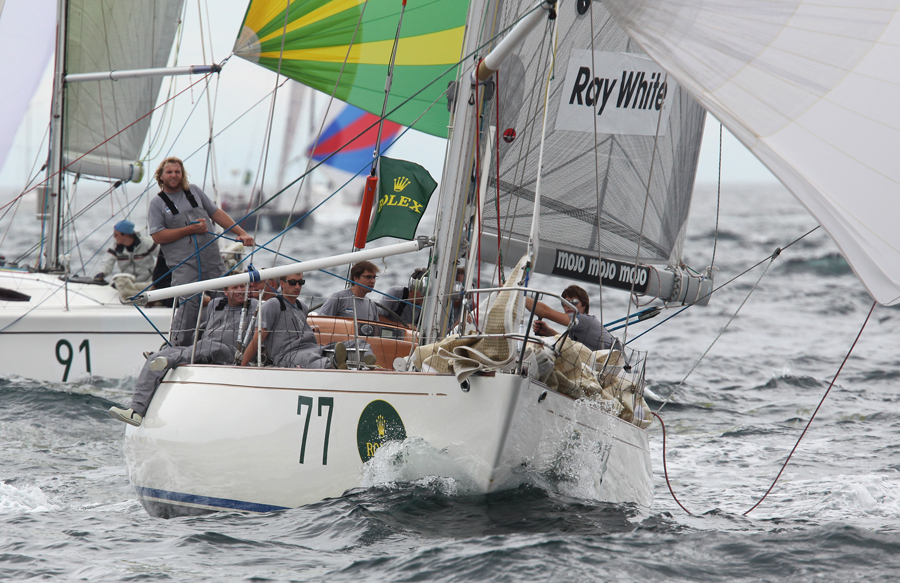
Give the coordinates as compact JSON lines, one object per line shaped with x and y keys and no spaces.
{"x":808,"y":87}
{"x":111,"y":35}
{"x":312,"y":42}
{"x":609,"y":107}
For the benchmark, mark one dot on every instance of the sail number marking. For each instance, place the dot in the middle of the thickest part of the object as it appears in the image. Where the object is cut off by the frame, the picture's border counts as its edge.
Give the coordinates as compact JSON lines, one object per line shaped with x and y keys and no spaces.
{"x":66,"y":361}
{"x":323,"y":402}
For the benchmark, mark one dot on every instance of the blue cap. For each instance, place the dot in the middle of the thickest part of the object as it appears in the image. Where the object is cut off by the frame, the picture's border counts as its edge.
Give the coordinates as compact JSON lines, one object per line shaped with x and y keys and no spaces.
{"x":125,"y":227}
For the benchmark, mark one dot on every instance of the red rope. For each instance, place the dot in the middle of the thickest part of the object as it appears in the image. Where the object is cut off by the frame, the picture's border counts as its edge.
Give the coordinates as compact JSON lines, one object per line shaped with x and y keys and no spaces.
{"x":497,"y":198}
{"x":817,"y":409}
{"x":665,"y":469}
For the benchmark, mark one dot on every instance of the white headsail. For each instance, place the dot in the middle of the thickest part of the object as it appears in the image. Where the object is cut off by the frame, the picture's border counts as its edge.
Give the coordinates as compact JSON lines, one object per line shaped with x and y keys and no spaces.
{"x":99,"y":110}
{"x":809,"y":88}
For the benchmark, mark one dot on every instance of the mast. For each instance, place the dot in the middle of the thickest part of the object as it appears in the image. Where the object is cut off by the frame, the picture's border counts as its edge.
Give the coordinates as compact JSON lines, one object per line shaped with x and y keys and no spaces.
{"x":457,"y":183}
{"x":455,"y":186}
{"x":53,"y":189}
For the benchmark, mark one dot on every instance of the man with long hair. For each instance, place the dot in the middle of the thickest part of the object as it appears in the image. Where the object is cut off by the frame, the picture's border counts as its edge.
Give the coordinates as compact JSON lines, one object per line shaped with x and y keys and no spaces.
{"x":181,"y":221}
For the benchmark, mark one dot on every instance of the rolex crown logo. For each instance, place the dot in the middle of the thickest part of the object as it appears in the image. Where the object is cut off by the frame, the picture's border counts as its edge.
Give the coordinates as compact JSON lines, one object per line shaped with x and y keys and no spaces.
{"x":380,"y":422}
{"x":400,"y":183}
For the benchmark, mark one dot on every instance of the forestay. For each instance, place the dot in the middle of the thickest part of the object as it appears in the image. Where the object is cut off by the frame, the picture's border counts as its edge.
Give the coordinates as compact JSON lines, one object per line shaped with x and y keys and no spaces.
{"x":607,"y":102}
{"x":96,"y":111}
{"x":809,"y":88}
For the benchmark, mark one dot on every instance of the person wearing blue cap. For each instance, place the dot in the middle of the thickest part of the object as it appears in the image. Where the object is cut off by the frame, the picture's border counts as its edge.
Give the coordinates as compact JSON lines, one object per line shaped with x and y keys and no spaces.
{"x":132,"y":255}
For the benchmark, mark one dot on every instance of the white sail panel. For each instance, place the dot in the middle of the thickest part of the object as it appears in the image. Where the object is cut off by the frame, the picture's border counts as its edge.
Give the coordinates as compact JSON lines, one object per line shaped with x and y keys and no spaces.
{"x":108,"y":35}
{"x":618,"y":171}
{"x":27,"y":33}
{"x":809,"y":88}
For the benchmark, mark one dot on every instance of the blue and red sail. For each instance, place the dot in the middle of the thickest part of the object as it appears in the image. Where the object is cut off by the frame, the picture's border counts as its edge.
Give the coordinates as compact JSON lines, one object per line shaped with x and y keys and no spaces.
{"x":357,"y":129}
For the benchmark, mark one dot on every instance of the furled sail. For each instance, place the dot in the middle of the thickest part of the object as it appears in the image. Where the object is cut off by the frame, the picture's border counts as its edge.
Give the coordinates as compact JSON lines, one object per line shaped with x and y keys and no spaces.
{"x":609,"y":107}
{"x":109,"y":35}
{"x":808,"y":87}
{"x":312,"y":42}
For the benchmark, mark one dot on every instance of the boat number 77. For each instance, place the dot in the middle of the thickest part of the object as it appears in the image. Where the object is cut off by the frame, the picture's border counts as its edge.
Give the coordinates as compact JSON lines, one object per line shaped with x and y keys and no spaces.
{"x":323,"y":402}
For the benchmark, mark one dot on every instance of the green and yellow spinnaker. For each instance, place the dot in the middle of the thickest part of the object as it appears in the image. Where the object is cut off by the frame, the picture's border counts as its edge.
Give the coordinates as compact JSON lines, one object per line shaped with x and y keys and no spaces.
{"x":319,"y":36}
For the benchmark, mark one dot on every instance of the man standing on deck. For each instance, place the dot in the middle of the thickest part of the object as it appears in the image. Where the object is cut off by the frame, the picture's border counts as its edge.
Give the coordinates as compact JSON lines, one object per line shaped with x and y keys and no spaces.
{"x":180,"y":219}
{"x":344,"y":303}
{"x":290,"y":341}
{"x":219,"y":341}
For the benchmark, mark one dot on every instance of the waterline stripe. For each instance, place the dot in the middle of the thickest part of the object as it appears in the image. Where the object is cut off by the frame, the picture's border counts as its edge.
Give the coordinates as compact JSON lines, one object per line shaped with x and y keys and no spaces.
{"x":206,"y":501}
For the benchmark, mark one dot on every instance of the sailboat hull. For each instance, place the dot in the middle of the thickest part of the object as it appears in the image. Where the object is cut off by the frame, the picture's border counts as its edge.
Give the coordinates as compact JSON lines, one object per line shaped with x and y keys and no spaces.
{"x":259,"y":440}
{"x":66,"y":332}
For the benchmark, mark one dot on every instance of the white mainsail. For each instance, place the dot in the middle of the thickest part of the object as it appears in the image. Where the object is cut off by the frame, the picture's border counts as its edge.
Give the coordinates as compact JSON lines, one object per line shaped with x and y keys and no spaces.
{"x":807,"y":86}
{"x":112,"y":36}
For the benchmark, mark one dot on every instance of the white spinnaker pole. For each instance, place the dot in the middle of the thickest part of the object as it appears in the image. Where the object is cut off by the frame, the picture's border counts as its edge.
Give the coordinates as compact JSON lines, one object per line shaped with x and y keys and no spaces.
{"x":190,"y":289}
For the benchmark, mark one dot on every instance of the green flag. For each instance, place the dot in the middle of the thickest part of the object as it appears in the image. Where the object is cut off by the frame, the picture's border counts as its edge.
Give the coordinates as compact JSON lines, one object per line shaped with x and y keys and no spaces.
{"x":404,"y":189}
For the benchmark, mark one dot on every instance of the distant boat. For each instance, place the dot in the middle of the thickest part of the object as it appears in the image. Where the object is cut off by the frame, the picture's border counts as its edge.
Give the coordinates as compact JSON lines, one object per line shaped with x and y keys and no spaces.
{"x":59,"y":326}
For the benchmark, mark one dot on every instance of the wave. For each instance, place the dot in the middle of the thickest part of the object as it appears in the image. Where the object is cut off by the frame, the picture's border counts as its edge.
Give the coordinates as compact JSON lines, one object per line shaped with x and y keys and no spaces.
{"x":832,"y":264}
{"x":15,"y":500}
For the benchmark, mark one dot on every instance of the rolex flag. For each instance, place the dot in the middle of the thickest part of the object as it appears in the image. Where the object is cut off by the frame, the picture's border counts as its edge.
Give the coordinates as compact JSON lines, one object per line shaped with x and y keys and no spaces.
{"x":404,"y":189}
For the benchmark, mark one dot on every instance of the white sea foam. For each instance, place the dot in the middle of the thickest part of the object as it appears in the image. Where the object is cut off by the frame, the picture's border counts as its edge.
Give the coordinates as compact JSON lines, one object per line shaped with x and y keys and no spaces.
{"x":414,"y":461}
{"x":26,"y":499}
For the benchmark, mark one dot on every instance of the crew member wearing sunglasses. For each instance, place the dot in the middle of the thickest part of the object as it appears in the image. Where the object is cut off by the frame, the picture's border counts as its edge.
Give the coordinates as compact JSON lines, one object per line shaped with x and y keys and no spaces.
{"x":587,"y":329}
{"x":289,"y":340}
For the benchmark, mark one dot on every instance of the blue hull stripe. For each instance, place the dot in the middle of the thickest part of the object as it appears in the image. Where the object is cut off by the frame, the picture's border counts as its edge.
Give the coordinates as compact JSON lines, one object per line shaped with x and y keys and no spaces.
{"x":223,"y":503}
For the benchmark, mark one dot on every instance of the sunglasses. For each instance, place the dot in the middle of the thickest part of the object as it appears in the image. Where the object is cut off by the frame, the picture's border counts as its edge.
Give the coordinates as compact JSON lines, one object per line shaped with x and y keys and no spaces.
{"x":295,"y":281}
{"x":573,"y":301}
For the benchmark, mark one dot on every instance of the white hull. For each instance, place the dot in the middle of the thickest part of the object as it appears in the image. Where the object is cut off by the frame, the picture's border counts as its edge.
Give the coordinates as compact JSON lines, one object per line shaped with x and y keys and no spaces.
{"x":218,"y":437}
{"x":67,"y":332}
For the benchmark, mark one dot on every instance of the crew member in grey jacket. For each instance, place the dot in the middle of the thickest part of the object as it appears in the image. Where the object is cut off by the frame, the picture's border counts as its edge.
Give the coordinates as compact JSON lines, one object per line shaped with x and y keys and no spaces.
{"x":343,"y":303}
{"x":181,"y":219}
{"x":587,"y":329}
{"x":227,"y":320}
{"x":290,"y":341}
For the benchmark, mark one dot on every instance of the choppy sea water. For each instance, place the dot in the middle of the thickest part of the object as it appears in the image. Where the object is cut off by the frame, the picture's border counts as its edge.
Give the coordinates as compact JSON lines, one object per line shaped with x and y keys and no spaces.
{"x":67,"y":511}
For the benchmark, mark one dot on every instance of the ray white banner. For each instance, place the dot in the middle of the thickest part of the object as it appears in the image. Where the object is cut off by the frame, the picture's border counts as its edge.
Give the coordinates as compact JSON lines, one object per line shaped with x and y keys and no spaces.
{"x":626,"y":93}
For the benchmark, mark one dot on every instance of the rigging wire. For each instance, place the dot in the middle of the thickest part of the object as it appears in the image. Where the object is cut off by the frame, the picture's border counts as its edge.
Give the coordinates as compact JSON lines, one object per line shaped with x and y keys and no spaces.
{"x":97,"y":146}
{"x":741,"y":274}
{"x":813,"y":416}
{"x":712,"y":263}
{"x":637,"y":254}
{"x":597,"y":171}
{"x":315,"y":145}
{"x":774,"y":255}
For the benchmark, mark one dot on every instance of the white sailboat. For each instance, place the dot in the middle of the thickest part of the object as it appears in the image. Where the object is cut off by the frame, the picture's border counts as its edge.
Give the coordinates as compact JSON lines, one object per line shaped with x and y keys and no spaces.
{"x":278,"y":438}
{"x":56,"y":326}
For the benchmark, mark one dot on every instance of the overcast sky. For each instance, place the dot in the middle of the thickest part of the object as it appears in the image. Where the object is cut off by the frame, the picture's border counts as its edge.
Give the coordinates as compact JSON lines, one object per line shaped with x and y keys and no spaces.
{"x":241,"y":84}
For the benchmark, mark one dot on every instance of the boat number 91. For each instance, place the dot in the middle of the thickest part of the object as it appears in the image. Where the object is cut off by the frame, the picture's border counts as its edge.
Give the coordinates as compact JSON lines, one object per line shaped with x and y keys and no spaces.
{"x":322,"y":402}
{"x":65,"y":354}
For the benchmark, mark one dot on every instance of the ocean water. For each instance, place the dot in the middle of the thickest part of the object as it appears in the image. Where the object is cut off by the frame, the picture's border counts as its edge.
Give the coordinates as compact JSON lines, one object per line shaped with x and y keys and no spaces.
{"x":67,"y":511}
